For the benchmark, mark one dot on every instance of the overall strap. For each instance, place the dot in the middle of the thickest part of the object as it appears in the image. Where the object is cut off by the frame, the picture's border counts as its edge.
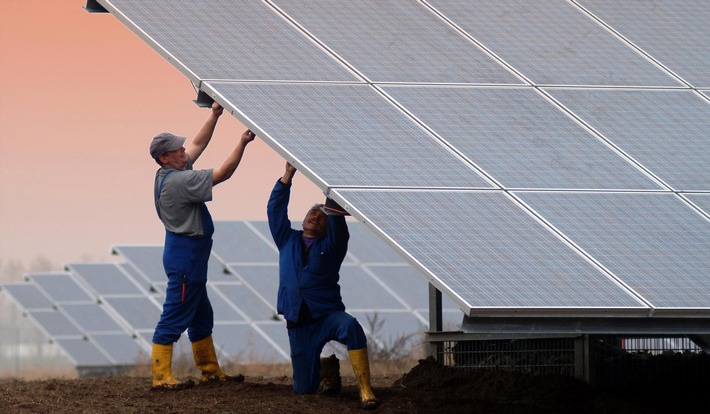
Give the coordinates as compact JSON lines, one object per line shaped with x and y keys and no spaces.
{"x":159,"y":189}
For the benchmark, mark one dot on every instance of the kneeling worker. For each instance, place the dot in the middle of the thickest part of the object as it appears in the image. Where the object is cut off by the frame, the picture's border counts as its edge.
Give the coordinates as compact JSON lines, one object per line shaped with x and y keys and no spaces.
{"x":309,"y":294}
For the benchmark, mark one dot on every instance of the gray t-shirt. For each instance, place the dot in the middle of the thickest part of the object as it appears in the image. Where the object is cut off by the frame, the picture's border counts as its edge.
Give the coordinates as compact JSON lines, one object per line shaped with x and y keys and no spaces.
{"x":180,"y":198}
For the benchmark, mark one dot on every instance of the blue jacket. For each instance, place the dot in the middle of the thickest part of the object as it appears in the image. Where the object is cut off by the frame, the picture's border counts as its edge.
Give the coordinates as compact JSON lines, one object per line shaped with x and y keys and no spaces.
{"x":316,"y":281}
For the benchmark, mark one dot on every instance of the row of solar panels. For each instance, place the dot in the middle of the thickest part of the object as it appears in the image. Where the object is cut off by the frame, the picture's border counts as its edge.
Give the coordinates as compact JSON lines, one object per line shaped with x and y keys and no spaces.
{"x":104,"y":314}
{"x":495,"y":42}
{"x":546,"y":157}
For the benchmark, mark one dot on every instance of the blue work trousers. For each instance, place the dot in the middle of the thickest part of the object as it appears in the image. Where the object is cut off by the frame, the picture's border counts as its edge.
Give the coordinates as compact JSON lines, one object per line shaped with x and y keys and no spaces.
{"x":186,"y":306}
{"x":307,"y":343}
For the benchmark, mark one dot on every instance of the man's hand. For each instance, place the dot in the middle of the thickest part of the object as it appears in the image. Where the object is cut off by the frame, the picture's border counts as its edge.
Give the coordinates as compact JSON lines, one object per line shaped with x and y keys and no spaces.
{"x":248,"y":136}
{"x":217,"y":109}
{"x":288,"y":173}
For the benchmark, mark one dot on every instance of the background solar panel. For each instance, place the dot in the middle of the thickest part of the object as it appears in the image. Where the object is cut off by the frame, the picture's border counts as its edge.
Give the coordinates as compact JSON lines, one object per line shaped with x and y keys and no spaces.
{"x":364,"y":246}
{"x":139,"y":312}
{"x":61,"y":287}
{"x":234,"y":242}
{"x":244,"y":343}
{"x":665,"y":130}
{"x":655,"y":243}
{"x":552,"y":42}
{"x":105,"y":278}
{"x":123,"y":349}
{"x":360,"y":291}
{"x":56,"y":324}
{"x":83,"y":352}
{"x":520,"y":138}
{"x":145,"y":260}
{"x":324,"y":123}
{"x":396,"y":41}
{"x":28,"y":296}
{"x":493,"y":256}
{"x":92,"y":318}
{"x":675,"y":32}
{"x":229,"y":40}
{"x":252,"y":306}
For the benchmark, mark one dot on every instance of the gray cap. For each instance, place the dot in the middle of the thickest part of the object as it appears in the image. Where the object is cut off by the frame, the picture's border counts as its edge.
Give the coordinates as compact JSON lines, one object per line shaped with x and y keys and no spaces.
{"x":164,"y":142}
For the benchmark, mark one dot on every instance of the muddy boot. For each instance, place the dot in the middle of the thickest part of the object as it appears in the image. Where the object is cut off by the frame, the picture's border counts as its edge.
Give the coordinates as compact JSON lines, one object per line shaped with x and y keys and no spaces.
{"x":206,"y":360}
{"x":161,"y":365}
{"x":361,"y":368}
{"x":330,"y":383}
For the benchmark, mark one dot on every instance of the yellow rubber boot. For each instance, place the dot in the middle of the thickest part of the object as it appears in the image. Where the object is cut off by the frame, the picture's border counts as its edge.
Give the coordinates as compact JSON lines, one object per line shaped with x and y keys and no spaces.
{"x":161,"y":365}
{"x":206,"y":361}
{"x":361,"y":368}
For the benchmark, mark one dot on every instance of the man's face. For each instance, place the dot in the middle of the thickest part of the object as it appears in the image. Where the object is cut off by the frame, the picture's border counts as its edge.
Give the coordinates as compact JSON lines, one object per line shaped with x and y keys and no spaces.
{"x":315,"y":223}
{"x":175,"y":159}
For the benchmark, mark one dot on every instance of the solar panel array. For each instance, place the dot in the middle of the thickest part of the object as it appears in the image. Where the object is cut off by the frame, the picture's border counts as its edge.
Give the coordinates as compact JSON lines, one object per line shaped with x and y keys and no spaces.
{"x":103,"y":315}
{"x":546,"y":157}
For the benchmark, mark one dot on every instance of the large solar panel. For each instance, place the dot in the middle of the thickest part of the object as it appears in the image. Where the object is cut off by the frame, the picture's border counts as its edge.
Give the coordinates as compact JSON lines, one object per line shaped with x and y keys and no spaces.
{"x":396,"y":41}
{"x":666,"y":131}
{"x":228,"y":40}
{"x":498,"y":256}
{"x":674,"y":32}
{"x":570,"y":96}
{"x":652,"y":237}
{"x":553,"y":42}
{"x":382,"y":146}
{"x":521,"y":139}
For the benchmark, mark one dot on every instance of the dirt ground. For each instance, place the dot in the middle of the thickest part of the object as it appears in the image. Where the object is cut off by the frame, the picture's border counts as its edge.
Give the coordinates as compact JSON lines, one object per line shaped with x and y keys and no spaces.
{"x":427,"y":388}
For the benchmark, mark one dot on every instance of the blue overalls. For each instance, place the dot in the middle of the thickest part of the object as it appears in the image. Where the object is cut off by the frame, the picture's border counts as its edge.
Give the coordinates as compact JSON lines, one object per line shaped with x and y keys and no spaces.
{"x":186,"y":304}
{"x":313,"y":272}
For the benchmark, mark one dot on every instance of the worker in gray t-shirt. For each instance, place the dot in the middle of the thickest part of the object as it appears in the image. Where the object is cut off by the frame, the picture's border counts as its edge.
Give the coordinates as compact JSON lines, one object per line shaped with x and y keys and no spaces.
{"x":180,"y":197}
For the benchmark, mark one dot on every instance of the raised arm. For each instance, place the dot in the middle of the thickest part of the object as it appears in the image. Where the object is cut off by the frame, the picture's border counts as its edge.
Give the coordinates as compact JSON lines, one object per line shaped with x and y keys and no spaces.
{"x":204,"y":135}
{"x":230,"y":165}
{"x":288,"y":173}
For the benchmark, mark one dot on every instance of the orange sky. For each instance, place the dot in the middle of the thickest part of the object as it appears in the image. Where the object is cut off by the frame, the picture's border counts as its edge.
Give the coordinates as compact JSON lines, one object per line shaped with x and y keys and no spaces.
{"x":80,"y":98}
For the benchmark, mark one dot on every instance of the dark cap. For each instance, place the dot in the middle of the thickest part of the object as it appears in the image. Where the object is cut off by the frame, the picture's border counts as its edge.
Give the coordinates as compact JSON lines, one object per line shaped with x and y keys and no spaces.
{"x":165,"y":142}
